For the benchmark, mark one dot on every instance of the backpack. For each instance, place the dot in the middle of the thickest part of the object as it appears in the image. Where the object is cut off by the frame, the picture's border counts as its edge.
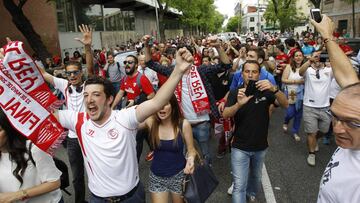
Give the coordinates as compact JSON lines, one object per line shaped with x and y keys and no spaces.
{"x":107,"y":71}
{"x":142,"y":97}
{"x":61,"y":165}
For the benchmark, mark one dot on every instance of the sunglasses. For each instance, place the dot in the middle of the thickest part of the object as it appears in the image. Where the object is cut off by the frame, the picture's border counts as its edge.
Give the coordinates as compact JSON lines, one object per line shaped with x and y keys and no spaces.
{"x":317,"y":75}
{"x":346,"y":123}
{"x":128,"y":62}
{"x":75,"y":72}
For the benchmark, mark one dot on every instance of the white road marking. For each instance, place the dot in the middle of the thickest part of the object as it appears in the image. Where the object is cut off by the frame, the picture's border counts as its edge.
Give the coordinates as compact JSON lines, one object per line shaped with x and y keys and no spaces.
{"x":268,"y":191}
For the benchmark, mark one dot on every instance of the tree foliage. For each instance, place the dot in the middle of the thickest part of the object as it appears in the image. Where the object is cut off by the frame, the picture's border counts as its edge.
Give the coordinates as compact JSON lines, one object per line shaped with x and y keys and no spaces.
{"x":200,"y":15}
{"x":233,"y":24}
{"x":283,"y":13}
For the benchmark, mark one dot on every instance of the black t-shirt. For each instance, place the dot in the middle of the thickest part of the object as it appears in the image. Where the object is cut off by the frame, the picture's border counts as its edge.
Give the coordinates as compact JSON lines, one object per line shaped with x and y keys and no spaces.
{"x":251,"y":121}
{"x":220,"y":85}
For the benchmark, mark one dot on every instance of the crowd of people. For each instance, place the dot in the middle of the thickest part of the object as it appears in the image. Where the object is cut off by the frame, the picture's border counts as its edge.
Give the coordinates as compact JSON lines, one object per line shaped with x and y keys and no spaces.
{"x":172,"y":94}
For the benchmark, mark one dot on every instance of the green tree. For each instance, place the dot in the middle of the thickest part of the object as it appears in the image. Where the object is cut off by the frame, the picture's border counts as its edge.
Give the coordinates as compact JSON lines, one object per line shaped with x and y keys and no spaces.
{"x":316,"y":3}
{"x":233,"y":24}
{"x":23,"y":24}
{"x":284,"y":13}
{"x":352,"y":2}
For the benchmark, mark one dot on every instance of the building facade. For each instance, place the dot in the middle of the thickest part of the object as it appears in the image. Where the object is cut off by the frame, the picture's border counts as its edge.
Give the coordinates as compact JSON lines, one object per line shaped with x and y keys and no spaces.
{"x":341,"y":13}
{"x":114,"y":23}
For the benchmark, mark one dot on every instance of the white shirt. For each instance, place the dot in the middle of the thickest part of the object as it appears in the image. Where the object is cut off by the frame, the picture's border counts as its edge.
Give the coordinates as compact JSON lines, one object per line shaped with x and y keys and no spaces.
{"x":187,"y":107}
{"x":317,"y":91}
{"x":334,"y":88}
{"x":109,"y":150}
{"x":293,"y":76}
{"x":151,"y":75}
{"x":74,"y":101}
{"x":341,"y":179}
{"x":44,"y":171}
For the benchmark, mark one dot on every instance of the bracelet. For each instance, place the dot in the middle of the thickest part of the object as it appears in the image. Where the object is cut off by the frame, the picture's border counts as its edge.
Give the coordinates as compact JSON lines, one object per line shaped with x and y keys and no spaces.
{"x":25,"y":195}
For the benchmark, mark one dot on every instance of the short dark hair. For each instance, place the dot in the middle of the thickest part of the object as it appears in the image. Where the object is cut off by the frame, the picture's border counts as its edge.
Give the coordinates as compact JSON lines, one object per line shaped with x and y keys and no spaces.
{"x":73,"y":63}
{"x":250,"y":62}
{"x":134,"y":57}
{"x":290,"y":42}
{"x":97,"y":80}
{"x":281,"y":47}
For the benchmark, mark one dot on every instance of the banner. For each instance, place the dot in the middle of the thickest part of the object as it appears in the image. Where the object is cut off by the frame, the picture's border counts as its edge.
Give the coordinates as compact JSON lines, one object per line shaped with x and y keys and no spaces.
{"x":27,"y":100}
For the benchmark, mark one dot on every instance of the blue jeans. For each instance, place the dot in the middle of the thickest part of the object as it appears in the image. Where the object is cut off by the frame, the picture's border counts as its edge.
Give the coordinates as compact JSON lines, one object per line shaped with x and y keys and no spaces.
{"x":77,"y":168}
{"x":137,"y":197}
{"x":246,"y":170}
{"x":291,"y":112}
{"x":201,"y":133}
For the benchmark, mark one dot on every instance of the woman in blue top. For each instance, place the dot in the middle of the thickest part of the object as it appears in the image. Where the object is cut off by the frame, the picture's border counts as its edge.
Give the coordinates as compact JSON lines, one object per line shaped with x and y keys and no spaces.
{"x":168,"y":131}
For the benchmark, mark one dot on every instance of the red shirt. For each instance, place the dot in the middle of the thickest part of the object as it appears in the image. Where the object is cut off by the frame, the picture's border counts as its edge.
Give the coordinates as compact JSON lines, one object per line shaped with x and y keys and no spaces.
{"x":132,"y":89}
{"x":312,"y":43}
{"x":345,"y":48}
{"x":162,"y":79}
{"x":197,"y":60}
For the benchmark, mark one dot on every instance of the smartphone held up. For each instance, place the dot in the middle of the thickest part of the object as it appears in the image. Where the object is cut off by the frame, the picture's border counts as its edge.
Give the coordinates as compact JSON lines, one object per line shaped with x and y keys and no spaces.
{"x":316,"y":14}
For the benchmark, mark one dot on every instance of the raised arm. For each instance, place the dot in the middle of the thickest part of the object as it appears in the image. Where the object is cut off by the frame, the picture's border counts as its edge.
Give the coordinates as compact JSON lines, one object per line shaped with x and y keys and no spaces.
{"x":87,"y":41}
{"x":184,"y":60}
{"x":344,"y":73}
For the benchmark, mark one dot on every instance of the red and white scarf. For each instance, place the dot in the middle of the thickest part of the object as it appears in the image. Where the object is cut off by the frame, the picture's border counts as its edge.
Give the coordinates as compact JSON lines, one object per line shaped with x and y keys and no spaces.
{"x":27,"y":100}
{"x":197,"y":92}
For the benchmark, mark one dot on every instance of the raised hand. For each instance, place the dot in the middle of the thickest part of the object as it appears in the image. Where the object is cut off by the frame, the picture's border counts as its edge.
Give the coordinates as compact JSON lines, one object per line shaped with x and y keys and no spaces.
{"x":265,"y":85}
{"x":325,"y":27}
{"x":242,"y":98}
{"x":184,"y":59}
{"x":145,"y":39}
{"x":214,"y":41}
{"x":87,"y":35}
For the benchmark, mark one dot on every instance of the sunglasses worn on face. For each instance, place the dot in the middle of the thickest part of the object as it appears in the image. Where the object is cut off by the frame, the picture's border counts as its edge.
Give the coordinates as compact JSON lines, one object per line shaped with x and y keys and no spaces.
{"x":346,"y":123}
{"x":128,"y":62}
{"x":76,"y":72}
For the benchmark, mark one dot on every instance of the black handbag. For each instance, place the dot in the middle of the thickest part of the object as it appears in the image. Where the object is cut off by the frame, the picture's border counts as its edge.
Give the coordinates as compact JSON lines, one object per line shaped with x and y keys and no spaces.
{"x":199,"y":185}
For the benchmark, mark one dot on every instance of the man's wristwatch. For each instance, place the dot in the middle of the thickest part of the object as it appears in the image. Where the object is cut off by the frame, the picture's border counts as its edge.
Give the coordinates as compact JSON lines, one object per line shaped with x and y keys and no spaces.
{"x":276,"y":90}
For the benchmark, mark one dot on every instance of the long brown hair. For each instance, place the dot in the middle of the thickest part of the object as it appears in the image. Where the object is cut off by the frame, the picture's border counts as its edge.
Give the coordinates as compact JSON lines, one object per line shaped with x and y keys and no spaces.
{"x":176,"y":120}
{"x":292,"y":61}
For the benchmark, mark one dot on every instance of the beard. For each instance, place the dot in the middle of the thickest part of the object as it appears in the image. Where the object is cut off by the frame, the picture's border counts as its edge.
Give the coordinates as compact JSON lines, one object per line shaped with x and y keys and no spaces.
{"x":130,"y":71}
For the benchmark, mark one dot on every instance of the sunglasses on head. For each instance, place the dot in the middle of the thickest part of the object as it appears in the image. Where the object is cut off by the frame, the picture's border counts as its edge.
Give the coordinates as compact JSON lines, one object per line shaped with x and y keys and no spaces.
{"x":75,"y":72}
{"x":128,"y":62}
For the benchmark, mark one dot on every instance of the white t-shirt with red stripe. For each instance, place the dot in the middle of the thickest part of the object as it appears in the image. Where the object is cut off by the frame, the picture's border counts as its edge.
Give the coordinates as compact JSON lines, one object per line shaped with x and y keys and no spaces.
{"x":109,"y":150}
{"x":74,"y":101}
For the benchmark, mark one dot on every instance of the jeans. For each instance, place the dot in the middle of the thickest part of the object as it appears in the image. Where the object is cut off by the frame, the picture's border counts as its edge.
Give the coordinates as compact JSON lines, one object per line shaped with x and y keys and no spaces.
{"x":246,"y":170}
{"x":137,"y":197}
{"x":291,"y":112}
{"x":201,"y":133}
{"x":77,"y":168}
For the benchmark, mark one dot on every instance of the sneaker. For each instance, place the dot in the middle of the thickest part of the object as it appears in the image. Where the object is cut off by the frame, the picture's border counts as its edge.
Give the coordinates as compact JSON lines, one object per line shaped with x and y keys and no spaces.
{"x":285,"y":127}
{"x":311,"y":159}
{"x":149,"y":156}
{"x":221,"y":155}
{"x":296,"y":137}
{"x":230,"y":190}
{"x":252,"y":199}
{"x":326,"y":140}
{"x":317,"y":148}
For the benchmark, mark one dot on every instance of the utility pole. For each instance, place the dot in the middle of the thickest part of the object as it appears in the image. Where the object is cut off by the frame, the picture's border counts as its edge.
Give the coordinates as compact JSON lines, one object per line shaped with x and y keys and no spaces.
{"x":157,"y":21}
{"x":258,"y":12}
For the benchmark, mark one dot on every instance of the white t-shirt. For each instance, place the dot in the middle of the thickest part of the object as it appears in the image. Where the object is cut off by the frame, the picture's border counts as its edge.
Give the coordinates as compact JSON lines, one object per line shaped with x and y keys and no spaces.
{"x":317,"y":91}
{"x":151,"y":75}
{"x":334,"y":89}
{"x":187,"y":107}
{"x":44,"y":171}
{"x":341,"y":179}
{"x":74,"y":101}
{"x":109,"y":150}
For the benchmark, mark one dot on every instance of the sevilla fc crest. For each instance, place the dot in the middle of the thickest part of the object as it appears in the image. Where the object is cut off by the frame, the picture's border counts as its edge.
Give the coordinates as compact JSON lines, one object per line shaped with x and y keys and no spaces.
{"x":113,"y":133}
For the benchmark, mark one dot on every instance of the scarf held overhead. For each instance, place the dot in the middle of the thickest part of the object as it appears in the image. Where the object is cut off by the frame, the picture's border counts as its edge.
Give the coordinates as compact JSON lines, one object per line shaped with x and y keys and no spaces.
{"x":197,"y":92}
{"x":27,"y":100}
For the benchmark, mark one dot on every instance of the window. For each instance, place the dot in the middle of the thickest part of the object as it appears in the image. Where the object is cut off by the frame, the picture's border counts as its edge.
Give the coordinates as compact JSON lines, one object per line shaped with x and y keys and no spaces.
{"x":252,"y":29}
{"x":252,"y":19}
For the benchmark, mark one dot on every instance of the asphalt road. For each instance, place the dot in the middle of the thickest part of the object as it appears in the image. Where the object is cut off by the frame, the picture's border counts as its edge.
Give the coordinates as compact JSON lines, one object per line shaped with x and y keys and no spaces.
{"x":291,"y":179}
